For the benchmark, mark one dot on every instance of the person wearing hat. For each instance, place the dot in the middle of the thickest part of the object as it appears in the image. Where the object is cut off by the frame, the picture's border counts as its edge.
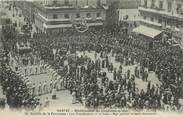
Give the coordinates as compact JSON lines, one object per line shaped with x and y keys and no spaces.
{"x":39,"y":88}
{"x":55,"y":84}
{"x":61,"y":83}
{"x":47,"y":102}
{"x":54,"y":93}
{"x":74,"y":97}
{"x":45,"y":90}
{"x":51,"y":86}
{"x":137,"y":72}
{"x":33,"y":89}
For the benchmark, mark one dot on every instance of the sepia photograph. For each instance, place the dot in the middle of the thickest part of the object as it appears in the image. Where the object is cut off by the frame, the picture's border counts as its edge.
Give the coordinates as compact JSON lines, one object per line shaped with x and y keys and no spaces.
{"x":91,"y":58}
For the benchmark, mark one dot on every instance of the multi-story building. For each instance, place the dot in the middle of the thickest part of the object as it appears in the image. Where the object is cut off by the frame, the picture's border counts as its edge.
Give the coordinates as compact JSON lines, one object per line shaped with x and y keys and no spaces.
{"x":53,"y":15}
{"x":160,"y":15}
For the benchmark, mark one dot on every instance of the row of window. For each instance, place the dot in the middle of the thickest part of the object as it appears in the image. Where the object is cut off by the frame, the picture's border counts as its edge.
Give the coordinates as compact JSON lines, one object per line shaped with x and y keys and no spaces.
{"x":169,"y":5}
{"x":160,"y":20}
{"x":67,"y":2}
{"x":67,"y":16}
{"x":152,"y":19}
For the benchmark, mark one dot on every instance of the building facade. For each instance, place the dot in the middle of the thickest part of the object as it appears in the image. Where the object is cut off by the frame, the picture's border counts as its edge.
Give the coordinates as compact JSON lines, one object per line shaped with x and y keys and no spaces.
{"x":53,"y":15}
{"x":163,"y":15}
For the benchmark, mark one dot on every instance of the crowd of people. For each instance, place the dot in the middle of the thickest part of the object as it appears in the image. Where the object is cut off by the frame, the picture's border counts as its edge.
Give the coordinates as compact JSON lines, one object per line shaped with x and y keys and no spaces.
{"x":16,"y":91}
{"x":165,"y":60}
{"x":121,"y":92}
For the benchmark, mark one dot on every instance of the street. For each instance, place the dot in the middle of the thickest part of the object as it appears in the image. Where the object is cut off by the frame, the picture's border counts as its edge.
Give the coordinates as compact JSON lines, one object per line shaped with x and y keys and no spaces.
{"x":64,"y":98}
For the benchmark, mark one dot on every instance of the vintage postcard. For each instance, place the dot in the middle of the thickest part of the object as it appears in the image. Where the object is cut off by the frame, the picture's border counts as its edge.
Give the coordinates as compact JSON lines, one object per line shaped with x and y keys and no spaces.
{"x":91,"y":58}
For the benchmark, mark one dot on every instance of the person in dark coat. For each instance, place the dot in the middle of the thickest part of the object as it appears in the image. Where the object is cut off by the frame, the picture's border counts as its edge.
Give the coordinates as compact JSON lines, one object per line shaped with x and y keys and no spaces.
{"x":137,"y":72}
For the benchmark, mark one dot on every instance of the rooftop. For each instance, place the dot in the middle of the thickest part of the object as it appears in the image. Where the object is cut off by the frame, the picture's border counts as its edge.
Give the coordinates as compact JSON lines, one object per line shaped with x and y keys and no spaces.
{"x":66,"y":7}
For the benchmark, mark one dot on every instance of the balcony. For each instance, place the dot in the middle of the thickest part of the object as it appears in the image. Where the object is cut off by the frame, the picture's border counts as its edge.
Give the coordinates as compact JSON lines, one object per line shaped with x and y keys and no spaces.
{"x":161,"y":12}
{"x":49,"y":20}
{"x":54,"y":25}
{"x":150,"y":22}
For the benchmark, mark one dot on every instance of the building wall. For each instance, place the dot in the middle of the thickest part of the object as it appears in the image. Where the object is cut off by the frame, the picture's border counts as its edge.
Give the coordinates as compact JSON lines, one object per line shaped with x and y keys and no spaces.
{"x":163,"y":14}
{"x":173,"y":3}
{"x":167,"y":15}
{"x":72,"y":14}
{"x":39,"y":24}
{"x":51,"y":15}
{"x":133,"y":14}
{"x":80,"y":3}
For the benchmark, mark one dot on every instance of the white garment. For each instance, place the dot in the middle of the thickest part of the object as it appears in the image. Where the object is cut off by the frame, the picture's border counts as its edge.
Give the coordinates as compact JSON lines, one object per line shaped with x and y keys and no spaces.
{"x":7,"y":108}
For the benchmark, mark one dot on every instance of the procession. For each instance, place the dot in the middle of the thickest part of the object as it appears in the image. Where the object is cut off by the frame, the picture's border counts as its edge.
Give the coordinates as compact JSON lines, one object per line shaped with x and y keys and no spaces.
{"x":88,"y":66}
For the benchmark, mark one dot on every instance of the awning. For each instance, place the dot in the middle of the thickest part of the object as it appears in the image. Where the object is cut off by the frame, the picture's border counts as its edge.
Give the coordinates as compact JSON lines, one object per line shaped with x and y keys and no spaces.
{"x":147,"y":31}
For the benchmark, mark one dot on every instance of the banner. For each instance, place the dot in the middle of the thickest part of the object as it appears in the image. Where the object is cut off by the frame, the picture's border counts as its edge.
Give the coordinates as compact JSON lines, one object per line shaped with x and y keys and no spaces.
{"x":81,"y":26}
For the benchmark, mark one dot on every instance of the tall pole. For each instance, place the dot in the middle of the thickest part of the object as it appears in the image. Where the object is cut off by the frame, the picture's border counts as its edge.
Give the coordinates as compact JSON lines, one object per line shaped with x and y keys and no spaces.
{"x":2,"y":3}
{"x":76,"y":2}
{"x":87,"y":2}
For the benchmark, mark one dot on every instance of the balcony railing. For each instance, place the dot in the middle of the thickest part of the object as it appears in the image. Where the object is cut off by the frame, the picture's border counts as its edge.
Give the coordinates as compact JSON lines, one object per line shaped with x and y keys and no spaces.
{"x":152,"y":7}
{"x":60,"y":6}
{"x":150,"y":22}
